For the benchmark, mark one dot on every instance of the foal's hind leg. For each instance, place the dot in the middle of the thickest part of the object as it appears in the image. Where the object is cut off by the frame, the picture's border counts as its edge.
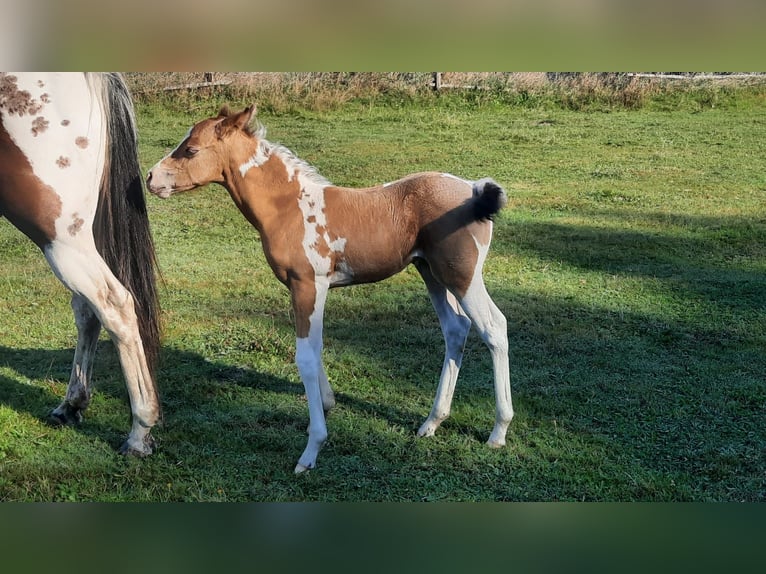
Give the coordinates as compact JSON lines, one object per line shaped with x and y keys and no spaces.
{"x":455,"y":327}
{"x":78,"y":265}
{"x":492,"y":327}
{"x":78,"y":392}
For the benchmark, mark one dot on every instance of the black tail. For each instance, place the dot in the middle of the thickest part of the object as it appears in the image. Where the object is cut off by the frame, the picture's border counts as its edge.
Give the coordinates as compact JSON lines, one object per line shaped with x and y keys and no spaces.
{"x":121,"y":227}
{"x":488,"y":199}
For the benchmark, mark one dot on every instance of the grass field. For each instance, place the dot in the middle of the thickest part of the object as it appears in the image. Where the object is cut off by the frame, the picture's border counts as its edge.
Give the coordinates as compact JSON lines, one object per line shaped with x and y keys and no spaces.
{"x":630,"y":262}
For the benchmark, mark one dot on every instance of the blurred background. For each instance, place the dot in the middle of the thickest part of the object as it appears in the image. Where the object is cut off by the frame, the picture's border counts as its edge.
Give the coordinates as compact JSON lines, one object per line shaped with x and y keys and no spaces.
{"x":383,"y":35}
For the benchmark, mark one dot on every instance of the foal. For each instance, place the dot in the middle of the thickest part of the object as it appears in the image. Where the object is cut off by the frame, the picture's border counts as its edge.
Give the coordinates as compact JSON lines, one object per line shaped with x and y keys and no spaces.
{"x":316,"y":236}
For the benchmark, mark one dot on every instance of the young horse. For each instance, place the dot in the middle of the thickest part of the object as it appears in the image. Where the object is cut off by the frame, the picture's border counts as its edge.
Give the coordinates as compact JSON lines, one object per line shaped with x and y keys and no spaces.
{"x":70,"y":180}
{"x":316,"y":236}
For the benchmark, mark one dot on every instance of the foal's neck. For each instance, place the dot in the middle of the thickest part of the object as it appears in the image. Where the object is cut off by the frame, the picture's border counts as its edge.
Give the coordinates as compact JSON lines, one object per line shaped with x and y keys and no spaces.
{"x":267,"y":184}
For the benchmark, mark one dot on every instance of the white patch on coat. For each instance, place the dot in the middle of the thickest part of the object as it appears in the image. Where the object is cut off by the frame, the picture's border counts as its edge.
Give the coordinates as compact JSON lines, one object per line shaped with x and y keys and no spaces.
{"x":312,"y":206}
{"x":260,"y":157}
{"x":483,"y":251}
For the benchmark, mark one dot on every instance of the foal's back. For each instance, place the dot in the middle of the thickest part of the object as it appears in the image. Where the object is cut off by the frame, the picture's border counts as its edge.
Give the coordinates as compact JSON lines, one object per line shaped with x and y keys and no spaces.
{"x":426,"y":215}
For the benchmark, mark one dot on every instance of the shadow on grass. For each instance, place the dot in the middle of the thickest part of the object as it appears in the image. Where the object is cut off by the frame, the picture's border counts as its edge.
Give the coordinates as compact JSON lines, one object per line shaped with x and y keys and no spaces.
{"x":679,"y":393}
{"x":718,"y":260}
{"x":53,"y":366}
{"x":684,"y":406}
{"x":670,"y":408}
{"x":187,"y":382}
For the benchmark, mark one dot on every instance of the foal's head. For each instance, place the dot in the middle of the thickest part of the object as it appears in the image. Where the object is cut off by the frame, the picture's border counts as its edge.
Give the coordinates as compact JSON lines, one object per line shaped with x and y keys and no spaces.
{"x":204,"y":154}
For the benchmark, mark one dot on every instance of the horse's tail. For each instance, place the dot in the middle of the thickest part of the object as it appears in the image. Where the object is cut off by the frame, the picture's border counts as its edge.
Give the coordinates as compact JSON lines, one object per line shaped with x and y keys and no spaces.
{"x":121,"y":226}
{"x":488,"y":199}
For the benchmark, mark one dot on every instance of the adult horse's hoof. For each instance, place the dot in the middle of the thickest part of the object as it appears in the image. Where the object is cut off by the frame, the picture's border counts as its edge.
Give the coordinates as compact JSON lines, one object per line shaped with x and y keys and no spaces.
{"x":140,"y":450}
{"x":300,"y":469}
{"x":65,"y":415}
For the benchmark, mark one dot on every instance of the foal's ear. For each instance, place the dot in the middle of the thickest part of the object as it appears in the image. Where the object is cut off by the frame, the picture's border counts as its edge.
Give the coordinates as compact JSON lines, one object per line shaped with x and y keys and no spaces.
{"x":231,"y":122}
{"x":250,"y":111}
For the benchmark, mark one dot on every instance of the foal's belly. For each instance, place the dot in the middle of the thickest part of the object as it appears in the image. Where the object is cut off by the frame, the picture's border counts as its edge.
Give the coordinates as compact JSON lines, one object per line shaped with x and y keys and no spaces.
{"x":356,"y":270}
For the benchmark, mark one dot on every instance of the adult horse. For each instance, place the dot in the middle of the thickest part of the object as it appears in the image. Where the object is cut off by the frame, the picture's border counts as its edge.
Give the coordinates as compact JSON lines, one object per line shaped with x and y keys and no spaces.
{"x":316,"y":236}
{"x":70,"y":180}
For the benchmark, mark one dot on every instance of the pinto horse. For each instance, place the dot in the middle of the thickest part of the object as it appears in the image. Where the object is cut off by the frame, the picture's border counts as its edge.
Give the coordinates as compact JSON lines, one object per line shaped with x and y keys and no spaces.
{"x":70,"y":180}
{"x":316,"y":236}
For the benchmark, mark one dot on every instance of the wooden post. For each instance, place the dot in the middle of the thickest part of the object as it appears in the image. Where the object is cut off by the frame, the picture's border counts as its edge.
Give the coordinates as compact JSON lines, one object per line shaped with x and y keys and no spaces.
{"x":437,"y":81}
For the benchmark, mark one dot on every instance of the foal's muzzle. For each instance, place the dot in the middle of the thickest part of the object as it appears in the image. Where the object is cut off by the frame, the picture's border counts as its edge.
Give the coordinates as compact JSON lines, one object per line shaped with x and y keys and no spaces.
{"x":157,"y":187}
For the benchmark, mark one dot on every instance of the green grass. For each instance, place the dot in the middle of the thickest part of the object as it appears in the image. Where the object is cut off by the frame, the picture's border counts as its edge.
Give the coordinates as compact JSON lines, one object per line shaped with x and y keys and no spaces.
{"x":630,"y":262}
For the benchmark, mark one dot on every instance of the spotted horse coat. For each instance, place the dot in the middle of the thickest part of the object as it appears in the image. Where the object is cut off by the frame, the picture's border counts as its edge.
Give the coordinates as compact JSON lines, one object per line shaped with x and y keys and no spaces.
{"x":70,"y":181}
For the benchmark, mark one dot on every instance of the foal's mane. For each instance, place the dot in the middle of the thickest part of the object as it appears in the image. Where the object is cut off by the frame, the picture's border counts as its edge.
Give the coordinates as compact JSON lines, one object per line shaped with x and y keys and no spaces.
{"x":255,"y":129}
{"x":292,"y":162}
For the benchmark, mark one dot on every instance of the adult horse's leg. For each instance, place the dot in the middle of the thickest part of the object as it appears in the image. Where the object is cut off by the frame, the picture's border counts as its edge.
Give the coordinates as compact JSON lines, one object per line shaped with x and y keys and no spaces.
{"x":492,"y":327}
{"x":78,"y":391}
{"x":78,"y":265}
{"x":455,"y":327}
{"x":308,"y":303}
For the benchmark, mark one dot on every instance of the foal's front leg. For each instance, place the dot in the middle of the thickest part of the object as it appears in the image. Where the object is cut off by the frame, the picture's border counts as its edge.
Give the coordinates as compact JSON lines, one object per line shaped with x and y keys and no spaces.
{"x":308,"y":304}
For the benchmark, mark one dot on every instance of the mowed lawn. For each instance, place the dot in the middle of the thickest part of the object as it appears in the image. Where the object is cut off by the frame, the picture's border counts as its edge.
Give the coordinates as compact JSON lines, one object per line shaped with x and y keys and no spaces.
{"x":630,"y":263}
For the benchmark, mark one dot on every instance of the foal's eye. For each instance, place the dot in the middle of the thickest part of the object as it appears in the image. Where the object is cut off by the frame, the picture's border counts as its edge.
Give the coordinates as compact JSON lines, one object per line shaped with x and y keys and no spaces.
{"x":191,"y":151}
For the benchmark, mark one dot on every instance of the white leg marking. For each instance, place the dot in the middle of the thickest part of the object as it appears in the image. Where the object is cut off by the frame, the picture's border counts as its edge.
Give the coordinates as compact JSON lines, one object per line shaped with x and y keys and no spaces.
{"x":88,"y":329}
{"x":308,"y":357}
{"x":328,"y":397}
{"x":455,"y":327}
{"x":79,"y":267}
{"x":493,"y":329}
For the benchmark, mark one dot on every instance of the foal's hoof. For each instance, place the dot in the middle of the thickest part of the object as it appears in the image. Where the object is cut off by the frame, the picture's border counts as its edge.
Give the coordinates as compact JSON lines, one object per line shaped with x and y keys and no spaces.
{"x":65,"y":416}
{"x":495,"y":443}
{"x":300,"y":469}
{"x":139,"y":450}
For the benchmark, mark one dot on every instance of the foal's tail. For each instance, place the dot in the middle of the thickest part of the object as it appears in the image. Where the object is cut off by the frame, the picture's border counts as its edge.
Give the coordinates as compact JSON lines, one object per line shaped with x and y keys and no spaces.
{"x":121,"y":227}
{"x":488,"y":199}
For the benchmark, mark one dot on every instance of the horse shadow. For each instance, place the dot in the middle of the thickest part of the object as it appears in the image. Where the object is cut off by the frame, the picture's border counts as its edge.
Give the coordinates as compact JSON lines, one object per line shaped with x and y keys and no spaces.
{"x":188,"y":384}
{"x":52,"y":367}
